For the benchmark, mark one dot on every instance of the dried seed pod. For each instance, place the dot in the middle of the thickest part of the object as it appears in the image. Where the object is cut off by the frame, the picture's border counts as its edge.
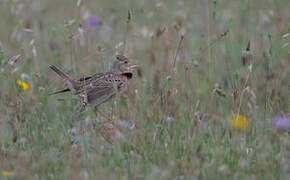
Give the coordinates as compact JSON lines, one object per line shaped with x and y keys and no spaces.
{"x":246,"y":54}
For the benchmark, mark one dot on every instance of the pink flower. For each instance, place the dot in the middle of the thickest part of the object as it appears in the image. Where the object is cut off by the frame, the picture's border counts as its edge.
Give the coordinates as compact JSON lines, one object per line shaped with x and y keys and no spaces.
{"x":93,"y":22}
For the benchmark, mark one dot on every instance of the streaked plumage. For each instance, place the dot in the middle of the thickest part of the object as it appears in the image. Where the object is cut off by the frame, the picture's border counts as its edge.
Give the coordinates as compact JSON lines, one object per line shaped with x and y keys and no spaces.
{"x":100,"y":87}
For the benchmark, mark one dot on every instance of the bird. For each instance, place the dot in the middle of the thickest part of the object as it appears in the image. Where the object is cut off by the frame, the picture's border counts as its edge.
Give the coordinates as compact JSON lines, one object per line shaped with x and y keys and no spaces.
{"x":98,"y":88}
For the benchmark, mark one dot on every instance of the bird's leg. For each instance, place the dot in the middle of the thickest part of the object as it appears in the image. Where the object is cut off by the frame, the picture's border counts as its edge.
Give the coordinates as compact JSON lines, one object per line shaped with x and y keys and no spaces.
{"x":100,"y":121}
{"x":105,"y":116}
{"x":107,"y":128}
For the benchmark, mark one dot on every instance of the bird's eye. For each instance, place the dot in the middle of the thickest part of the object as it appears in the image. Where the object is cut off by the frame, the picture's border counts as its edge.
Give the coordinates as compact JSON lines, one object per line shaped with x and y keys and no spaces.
{"x":126,"y":62}
{"x":118,"y":57}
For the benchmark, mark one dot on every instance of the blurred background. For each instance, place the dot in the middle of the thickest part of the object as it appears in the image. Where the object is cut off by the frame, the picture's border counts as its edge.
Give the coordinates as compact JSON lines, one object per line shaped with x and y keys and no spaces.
{"x":212,"y":76}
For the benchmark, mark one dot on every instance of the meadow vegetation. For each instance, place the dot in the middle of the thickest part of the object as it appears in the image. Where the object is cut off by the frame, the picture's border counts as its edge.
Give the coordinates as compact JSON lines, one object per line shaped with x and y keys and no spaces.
{"x":212,"y":76}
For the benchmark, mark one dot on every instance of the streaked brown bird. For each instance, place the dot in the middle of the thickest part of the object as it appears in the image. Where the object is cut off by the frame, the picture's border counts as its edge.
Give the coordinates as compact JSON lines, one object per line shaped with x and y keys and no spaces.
{"x":100,"y":87}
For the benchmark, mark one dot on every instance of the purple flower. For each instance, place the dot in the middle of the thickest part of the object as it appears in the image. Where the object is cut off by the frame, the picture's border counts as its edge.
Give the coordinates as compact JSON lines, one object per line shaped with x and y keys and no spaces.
{"x":93,"y":22}
{"x":281,"y":122}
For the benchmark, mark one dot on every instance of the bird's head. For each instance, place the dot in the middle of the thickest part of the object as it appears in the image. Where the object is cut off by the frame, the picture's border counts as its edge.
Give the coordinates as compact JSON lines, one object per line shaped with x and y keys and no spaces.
{"x":124,"y":66}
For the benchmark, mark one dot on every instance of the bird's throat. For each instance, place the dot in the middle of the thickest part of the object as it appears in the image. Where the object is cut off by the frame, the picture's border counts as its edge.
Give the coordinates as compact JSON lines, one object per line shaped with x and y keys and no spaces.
{"x":129,"y":75}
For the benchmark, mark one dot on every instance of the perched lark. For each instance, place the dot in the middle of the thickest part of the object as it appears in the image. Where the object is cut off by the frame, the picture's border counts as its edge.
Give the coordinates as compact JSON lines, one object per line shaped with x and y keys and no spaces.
{"x":100,"y":87}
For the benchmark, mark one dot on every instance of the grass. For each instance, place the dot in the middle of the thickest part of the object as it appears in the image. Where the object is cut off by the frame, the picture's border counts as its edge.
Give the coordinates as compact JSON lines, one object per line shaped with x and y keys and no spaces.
{"x":176,"y":111}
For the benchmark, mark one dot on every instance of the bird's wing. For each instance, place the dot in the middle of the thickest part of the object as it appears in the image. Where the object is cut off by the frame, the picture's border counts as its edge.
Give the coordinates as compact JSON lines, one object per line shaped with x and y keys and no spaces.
{"x":99,"y":95}
{"x":81,"y":81}
{"x":94,"y":76}
{"x":101,"y":90}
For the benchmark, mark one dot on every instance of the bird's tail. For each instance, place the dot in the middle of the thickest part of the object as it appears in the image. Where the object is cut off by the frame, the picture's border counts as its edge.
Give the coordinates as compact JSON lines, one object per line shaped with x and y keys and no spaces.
{"x":61,"y":73}
{"x":72,"y":85}
{"x":59,"y":91}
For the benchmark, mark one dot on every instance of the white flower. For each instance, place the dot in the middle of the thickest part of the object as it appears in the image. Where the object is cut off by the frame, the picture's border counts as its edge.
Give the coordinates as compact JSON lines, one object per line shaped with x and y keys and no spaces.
{"x":250,"y":67}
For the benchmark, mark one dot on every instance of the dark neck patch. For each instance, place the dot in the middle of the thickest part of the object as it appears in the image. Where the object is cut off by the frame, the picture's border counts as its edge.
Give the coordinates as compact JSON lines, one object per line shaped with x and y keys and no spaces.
{"x":129,"y":75}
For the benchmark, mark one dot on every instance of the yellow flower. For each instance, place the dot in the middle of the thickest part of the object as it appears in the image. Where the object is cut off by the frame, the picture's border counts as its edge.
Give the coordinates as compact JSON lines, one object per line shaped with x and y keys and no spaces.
{"x":22,"y":84}
{"x":198,"y":90}
{"x":5,"y":173}
{"x":238,"y":121}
